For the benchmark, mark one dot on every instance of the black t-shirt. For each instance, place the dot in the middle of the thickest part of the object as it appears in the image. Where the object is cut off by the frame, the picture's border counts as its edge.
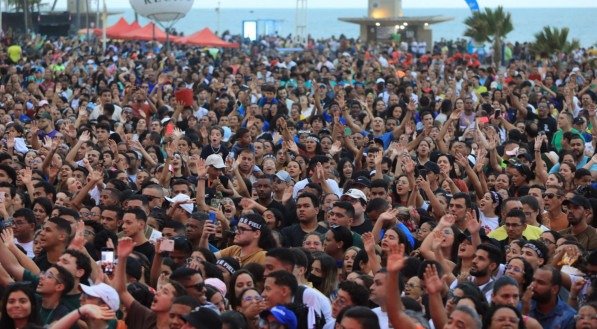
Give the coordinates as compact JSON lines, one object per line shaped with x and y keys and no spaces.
{"x":279,"y":206}
{"x":549,"y":125}
{"x":294,"y":235}
{"x":367,"y":226}
{"x":42,"y":261}
{"x":208,"y":150}
{"x":146,"y":249}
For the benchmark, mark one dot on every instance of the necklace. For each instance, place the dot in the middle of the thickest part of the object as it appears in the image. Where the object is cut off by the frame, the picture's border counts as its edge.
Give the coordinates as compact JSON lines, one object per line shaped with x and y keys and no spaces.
{"x":214,"y":151}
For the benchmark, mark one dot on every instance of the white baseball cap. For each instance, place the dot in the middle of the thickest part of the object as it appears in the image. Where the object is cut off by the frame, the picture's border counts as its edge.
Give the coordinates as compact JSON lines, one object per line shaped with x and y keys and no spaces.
{"x":355,"y":194}
{"x":216,"y":161}
{"x":180,"y":198}
{"x":104,"y":292}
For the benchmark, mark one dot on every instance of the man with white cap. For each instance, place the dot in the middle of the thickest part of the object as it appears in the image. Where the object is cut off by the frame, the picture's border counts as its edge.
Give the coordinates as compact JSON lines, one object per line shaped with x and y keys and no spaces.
{"x":181,"y":208}
{"x":282,"y":181}
{"x":99,"y":304}
{"x":214,"y":180}
{"x":360,"y":224}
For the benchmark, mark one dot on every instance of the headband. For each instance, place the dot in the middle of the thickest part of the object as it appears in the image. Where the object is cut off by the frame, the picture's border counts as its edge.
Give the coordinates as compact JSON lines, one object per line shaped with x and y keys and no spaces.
{"x":249,"y":222}
{"x":534,"y":248}
{"x":495,"y":197}
{"x":226,"y":265}
{"x":313,"y":138}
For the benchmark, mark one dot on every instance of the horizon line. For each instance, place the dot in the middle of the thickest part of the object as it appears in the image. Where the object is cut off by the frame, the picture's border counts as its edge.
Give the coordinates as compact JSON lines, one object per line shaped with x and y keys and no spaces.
{"x":350,"y":7}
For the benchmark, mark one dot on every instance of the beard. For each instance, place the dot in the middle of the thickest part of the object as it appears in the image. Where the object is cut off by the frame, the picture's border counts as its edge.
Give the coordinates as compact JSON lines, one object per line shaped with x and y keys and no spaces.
{"x":542,"y":298}
{"x":478,"y":272}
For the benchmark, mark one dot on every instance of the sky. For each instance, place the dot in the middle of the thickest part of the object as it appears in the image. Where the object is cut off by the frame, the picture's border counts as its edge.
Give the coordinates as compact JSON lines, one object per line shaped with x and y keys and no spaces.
{"x":363,"y":3}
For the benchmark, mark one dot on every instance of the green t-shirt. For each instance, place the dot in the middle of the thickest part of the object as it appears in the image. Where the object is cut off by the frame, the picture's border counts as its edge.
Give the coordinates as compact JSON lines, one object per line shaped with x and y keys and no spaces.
{"x":556,"y":140}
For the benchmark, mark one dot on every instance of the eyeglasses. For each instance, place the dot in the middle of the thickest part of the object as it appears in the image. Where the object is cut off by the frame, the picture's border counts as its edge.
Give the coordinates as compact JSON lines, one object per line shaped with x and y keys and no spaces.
{"x":150,"y":197}
{"x":512,"y":225}
{"x":340,"y":301}
{"x":514,"y":269}
{"x":49,"y":275}
{"x":453,"y":298}
{"x":549,"y":195}
{"x":250,"y":299}
{"x":241,"y":230}
{"x":546,"y":241}
{"x":199,"y":286}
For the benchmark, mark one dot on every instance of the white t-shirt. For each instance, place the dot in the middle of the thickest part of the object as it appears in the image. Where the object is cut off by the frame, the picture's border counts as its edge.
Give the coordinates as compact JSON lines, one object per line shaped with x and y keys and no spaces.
{"x":489,"y":223}
{"x":382,"y":317}
{"x":28,"y":246}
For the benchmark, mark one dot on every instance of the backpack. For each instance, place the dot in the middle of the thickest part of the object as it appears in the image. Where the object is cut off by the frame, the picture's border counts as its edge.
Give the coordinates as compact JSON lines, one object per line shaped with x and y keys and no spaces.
{"x":302,"y":311}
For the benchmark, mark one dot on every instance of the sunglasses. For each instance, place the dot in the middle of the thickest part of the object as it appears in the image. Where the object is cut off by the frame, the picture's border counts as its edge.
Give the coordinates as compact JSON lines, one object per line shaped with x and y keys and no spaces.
{"x":549,"y":195}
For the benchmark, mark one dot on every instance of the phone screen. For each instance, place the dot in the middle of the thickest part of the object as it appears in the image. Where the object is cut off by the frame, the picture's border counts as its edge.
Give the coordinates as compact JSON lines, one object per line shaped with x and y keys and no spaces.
{"x":108,"y":256}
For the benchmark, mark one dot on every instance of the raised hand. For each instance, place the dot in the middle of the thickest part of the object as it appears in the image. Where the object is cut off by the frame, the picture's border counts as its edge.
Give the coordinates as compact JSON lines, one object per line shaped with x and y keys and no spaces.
{"x":92,"y":311}
{"x":178,"y":133}
{"x":247,"y":203}
{"x":8,"y":237}
{"x":462,"y":160}
{"x":438,"y":238}
{"x":472,"y":224}
{"x":396,"y":258}
{"x":125,"y":247}
{"x":85,"y":136}
{"x":388,"y":216}
{"x":201,"y":168}
{"x":447,"y":220}
{"x":412,"y":106}
{"x":368,"y":242}
{"x":96,"y":176}
{"x":455,"y":115}
{"x":433,"y":283}
{"x":336,"y":147}
{"x":378,"y":158}
{"x":26,"y":176}
{"x":409,"y":164}
{"x":47,"y":142}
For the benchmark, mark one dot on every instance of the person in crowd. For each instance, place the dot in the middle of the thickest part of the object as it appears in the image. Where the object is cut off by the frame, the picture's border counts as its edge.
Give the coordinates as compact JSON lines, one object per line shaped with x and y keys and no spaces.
{"x":418,"y":185}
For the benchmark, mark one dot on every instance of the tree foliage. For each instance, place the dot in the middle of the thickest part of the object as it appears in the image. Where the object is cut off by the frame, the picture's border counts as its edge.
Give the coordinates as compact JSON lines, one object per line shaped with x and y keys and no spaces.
{"x":551,"y":40}
{"x":489,"y":25}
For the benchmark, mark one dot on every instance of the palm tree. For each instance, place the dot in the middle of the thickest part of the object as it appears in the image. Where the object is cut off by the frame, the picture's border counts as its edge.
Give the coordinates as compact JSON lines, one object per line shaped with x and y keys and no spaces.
{"x":490,"y":26}
{"x":551,"y":40}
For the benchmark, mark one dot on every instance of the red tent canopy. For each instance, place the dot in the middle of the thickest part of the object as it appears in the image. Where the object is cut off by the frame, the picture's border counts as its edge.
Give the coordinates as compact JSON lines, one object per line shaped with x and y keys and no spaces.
{"x":206,"y":38}
{"x":120,"y":28}
{"x":147,"y":33}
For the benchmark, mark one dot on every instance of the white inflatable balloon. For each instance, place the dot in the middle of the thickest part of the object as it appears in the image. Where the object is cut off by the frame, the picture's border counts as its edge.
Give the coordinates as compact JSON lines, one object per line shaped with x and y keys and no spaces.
{"x":162,"y":10}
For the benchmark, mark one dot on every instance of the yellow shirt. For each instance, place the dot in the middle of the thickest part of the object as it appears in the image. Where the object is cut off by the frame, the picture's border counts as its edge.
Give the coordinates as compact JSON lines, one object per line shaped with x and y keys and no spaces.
{"x":234,"y":251}
{"x":530,"y":233}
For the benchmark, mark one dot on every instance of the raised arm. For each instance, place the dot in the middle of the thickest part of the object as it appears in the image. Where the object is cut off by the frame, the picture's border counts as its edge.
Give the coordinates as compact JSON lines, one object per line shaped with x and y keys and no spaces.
{"x":396,"y":262}
{"x":410,"y":109}
{"x":72,"y":154}
{"x":86,"y":311}
{"x":125,"y":248}
{"x":434,"y":286}
{"x":21,"y":257}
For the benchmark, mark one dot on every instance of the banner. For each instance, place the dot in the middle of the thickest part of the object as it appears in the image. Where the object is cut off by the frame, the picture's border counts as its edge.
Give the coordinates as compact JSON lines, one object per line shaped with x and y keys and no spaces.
{"x":472,"y":4}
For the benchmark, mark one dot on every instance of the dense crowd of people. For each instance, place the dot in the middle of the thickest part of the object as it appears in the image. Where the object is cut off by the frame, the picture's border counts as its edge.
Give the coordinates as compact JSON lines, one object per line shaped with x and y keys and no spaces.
{"x":343,"y":186}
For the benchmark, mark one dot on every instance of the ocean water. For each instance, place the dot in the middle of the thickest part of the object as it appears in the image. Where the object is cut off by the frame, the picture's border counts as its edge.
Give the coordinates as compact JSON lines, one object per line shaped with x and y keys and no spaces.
{"x":323,"y":23}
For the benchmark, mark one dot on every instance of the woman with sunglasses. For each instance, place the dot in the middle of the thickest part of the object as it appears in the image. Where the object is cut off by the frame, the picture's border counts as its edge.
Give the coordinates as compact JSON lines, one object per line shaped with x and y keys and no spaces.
{"x":19,"y":307}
